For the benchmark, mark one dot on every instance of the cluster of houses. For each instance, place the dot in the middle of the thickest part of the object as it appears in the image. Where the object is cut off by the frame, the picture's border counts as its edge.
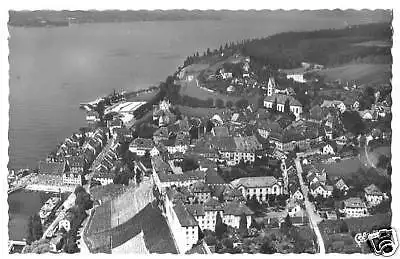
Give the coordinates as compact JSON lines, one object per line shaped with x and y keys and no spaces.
{"x":71,"y":161}
{"x":191,"y":200}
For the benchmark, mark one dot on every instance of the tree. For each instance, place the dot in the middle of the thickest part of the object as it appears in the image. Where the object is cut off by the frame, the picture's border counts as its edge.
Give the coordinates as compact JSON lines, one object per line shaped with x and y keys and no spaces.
{"x":220,"y":227}
{"x":267,"y":247}
{"x":83,"y":200}
{"x":352,"y":122}
{"x":286,"y":108}
{"x":343,"y":227}
{"x":79,"y":189}
{"x":242,"y":103}
{"x":35,"y":229}
{"x":286,"y":225}
{"x":229,"y":104}
{"x":243,"y":225}
{"x":209,"y":126}
{"x":189,"y":164}
{"x":219,"y":103}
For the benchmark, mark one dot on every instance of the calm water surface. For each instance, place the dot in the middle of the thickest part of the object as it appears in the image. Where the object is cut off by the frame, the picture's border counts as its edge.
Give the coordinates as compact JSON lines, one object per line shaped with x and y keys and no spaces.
{"x":23,"y":204}
{"x":52,"y":70}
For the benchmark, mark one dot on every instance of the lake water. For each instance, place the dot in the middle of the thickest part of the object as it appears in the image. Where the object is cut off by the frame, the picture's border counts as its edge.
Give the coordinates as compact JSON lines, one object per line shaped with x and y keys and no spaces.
{"x":23,"y":204}
{"x":52,"y":70}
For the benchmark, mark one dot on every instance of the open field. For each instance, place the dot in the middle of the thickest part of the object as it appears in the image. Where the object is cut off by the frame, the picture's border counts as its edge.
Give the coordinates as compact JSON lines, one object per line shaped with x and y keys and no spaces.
{"x":191,"y":89}
{"x":362,"y":73}
{"x":343,"y":167}
{"x":367,"y":224}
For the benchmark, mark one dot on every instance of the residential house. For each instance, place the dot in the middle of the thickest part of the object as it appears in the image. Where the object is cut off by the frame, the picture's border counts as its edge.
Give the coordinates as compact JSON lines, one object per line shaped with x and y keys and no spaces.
{"x":236,"y":149}
{"x":342,"y":186}
{"x":334,"y":103}
{"x":295,"y":192}
{"x":92,"y":116}
{"x":293,"y":208}
{"x":354,"y":207}
{"x":52,"y":168}
{"x":103,"y":175}
{"x":182,"y":223}
{"x":328,"y":149}
{"x":373,"y":195}
{"x":233,"y":211}
{"x":366,"y":114}
{"x":318,"y":188}
{"x":213,"y":178}
{"x":160,"y":135}
{"x":140,"y":146}
{"x":115,"y":123}
{"x":221,"y":131}
{"x":201,"y":191}
{"x":260,"y":187}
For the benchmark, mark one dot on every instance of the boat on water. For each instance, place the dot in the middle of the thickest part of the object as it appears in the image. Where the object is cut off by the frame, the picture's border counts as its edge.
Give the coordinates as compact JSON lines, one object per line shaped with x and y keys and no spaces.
{"x":49,"y":208}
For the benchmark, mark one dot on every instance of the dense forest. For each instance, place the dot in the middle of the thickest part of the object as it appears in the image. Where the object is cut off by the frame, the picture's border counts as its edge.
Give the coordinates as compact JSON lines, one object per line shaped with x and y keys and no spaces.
{"x":367,"y":43}
{"x":326,"y":47}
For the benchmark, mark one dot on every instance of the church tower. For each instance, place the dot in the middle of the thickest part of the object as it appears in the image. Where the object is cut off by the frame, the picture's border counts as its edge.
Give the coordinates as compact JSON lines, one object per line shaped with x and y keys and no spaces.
{"x":271,"y":87}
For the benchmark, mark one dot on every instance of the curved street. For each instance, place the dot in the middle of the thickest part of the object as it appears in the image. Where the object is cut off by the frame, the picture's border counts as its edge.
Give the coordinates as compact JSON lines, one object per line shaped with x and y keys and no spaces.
{"x":313,"y":217}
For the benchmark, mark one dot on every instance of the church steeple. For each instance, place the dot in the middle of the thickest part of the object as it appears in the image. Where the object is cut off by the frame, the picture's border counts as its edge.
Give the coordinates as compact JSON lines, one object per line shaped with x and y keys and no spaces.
{"x":271,"y":86}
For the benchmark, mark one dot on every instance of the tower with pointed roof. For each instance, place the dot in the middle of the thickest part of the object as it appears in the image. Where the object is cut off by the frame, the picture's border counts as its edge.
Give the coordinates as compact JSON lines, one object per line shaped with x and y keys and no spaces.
{"x":271,"y":86}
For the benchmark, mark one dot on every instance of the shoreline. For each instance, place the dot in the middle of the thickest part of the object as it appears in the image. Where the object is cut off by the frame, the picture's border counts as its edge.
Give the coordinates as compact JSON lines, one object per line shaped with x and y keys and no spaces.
{"x":49,"y":188}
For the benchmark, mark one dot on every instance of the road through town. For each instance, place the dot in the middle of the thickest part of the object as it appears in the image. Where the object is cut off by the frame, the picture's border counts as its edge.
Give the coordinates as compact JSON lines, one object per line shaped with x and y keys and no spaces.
{"x":314,"y":218}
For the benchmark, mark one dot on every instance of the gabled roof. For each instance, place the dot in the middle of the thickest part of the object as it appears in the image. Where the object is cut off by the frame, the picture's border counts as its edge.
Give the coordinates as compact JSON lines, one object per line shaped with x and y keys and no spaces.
{"x":372,"y":190}
{"x":340,"y":184}
{"x":354,"y":202}
{"x":255,"y":182}
{"x":212,"y":204}
{"x":51,"y":167}
{"x":221,"y":131}
{"x":185,"y":218}
{"x":76,"y":161}
{"x":237,"y":209}
{"x":213,"y":178}
{"x":281,"y":99}
{"x":195,"y":209}
{"x":200,"y":187}
{"x":142,"y":143}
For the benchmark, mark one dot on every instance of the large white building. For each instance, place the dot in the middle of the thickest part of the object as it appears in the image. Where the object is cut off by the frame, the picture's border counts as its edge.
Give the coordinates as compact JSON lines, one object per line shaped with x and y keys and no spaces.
{"x":231,"y":213}
{"x":260,"y":187}
{"x":183,"y":225}
{"x":235,"y":149}
{"x":140,"y":146}
{"x":295,"y":106}
{"x":354,"y":207}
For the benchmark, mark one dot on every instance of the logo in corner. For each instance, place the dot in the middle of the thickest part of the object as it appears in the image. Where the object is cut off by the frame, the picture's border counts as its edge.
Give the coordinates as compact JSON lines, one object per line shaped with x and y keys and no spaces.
{"x":383,"y":242}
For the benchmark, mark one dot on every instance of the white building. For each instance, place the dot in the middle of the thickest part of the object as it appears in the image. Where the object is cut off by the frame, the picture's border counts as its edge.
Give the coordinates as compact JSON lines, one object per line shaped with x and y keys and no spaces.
{"x":233,"y":212}
{"x":260,"y":187}
{"x":336,"y":104}
{"x":297,"y":77}
{"x":295,"y":106}
{"x":373,"y":195}
{"x":140,"y":146}
{"x":354,"y":207}
{"x":182,"y":224}
{"x":317,"y":189}
{"x":71,"y":178}
{"x":235,"y":149}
